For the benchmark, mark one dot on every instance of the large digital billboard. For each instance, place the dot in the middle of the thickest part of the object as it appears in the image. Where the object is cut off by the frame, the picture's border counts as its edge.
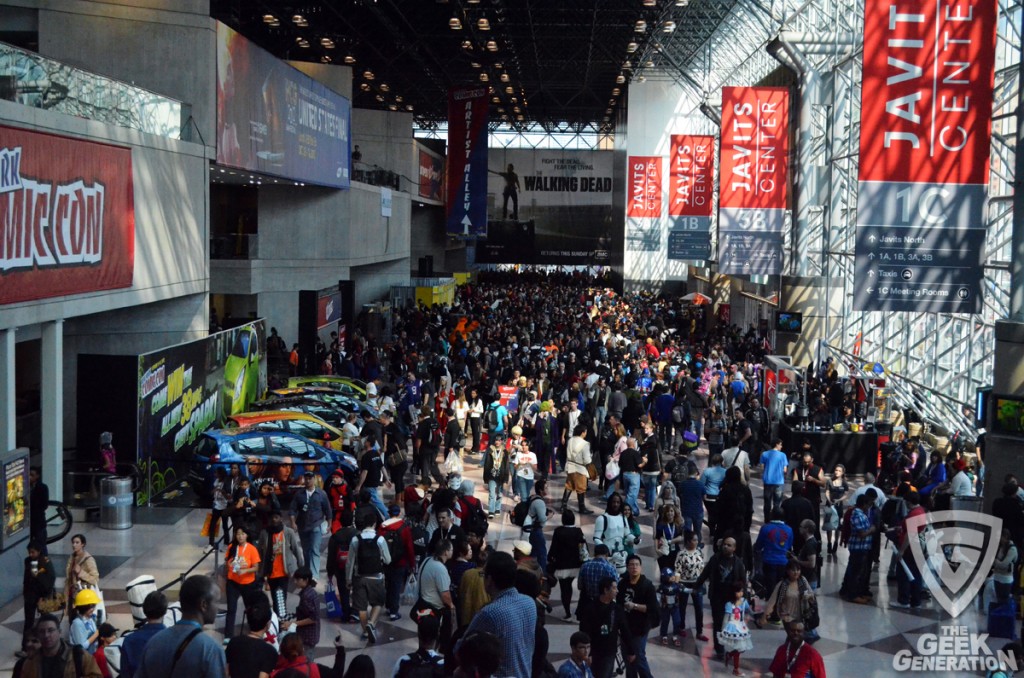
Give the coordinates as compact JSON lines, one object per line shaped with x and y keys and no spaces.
{"x":273,"y":119}
{"x":67,"y":216}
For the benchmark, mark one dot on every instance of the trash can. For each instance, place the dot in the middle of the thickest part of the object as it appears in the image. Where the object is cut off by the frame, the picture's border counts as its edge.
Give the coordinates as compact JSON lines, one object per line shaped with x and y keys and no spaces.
{"x":116,"y":502}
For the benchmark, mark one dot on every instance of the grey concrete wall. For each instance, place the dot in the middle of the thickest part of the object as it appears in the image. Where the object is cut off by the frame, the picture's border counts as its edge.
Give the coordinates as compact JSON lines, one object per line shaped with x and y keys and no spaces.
{"x":385,"y":140}
{"x":818,"y":299}
{"x":167,"y":46}
{"x":373,"y":282}
{"x":429,"y":237}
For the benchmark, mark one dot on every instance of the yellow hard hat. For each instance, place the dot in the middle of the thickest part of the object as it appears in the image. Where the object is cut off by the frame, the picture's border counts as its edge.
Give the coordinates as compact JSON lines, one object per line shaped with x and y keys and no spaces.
{"x":86,"y":597}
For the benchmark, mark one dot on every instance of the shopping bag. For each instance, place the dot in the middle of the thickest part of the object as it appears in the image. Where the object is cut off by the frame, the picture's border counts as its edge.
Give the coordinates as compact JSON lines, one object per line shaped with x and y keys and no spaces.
{"x":453,"y":464}
{"x":332,"y":603}
{"x":611,"y":469}
{"x":208,"y":525}
{"x":411,"y":591}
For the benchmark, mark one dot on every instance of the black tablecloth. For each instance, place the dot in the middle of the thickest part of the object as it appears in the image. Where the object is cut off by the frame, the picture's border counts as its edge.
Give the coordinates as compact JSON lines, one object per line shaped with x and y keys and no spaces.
{"x":858,"y":452}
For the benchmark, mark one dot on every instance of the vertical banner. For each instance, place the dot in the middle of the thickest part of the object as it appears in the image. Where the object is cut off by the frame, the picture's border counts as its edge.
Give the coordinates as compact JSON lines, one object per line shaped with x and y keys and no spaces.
{"x":431,"y":168}
{"x":14,"y":496}
{"x":643,"y":203}
{"x":691,"y":175}
{"x":467,"y":161}
{"x":926,"y":117}
{"x":753,"y":184}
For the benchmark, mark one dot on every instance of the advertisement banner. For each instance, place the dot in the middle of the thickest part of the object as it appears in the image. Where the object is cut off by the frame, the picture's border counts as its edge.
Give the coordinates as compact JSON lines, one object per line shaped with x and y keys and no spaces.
{"x":328,"y":308}
{"x":274,"y":119}
{"x":67,"y":216}
{"x":189,"y":388}
{"x":564,"y":203}
{"x":691,"y":175}
{"x":14,"y":495}
{"x":926,"y":118}
{"x":467,"y":161}
{"x":644,"y":191}
{"x":431,"y":171}
{"x":754,"y":180}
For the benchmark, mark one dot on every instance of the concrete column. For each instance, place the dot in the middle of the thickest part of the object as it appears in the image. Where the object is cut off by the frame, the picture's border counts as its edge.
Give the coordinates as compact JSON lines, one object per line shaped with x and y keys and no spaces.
{"x":1005,"y":453}
{"x":7,"y":382}
{"x":52,"y":410}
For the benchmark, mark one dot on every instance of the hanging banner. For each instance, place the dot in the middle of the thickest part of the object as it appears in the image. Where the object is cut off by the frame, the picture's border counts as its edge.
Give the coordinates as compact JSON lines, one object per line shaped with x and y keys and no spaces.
{"x":691,"y":174}
{"x":431,"y":169}
{"x":644,"y":199}
{"x":67,"y":216}
{"x":467,"y":161}
{"x":274,"y":119}
{"x":753,"y":181}
{"x":926,"y":117}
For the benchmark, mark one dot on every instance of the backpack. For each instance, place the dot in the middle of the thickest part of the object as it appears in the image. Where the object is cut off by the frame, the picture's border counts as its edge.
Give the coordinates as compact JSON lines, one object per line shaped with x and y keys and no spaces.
{"x":521,"y":510}
{"x":890,"y":511}
{"x":473,"y":517}
{"x":492,"y":418}
{"x":419,"y":540}
{"x":341,"y":555}
{"x":395,"y":542}
{"x":846,"y":527}
{"x":420,"y":664}
{"x":369,"y":561}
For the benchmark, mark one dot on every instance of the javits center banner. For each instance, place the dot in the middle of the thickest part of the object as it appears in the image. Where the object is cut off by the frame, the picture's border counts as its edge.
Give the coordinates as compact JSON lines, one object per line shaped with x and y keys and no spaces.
{"x":565,"y":208}
{"x":67,"y":216}
{"x":691,"y":178}
{"x":189,"y":388}
{"x":467,"y":161}
{"x":753,"y":183}
{"x":925,"y":134}
{"x":274,"y":119}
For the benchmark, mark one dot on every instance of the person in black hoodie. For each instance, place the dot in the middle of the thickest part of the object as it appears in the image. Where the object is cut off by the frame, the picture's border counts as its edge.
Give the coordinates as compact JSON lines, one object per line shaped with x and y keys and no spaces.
{"x":736,"y":513}
{"x":721,"y":572}
{"x":564,"y":559}
{"x":605,"y":623}
{"x":38,"y":581}
{"x":639,"y":599}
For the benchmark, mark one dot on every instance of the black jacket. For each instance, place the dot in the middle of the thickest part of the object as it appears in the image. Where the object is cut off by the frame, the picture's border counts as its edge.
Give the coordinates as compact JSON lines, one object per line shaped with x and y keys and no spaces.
{"x":603,"y":623}
{"x":719,"y":582}
{"x":642,"y":593}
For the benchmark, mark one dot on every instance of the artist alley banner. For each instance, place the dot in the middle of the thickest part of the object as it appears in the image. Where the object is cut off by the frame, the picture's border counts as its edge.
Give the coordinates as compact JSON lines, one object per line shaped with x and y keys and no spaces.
{"x":753,"y":184}
{"x":467,"y":161}
{"x":925,"y":133}
{"x":691,"y":175}
{"x":67,"y":216}
{"x":643,"y":203}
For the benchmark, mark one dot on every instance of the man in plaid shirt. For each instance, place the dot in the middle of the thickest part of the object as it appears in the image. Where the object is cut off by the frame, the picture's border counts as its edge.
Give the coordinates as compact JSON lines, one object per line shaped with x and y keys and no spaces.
{"x":591,"y":574}
{"x":858,"y":569}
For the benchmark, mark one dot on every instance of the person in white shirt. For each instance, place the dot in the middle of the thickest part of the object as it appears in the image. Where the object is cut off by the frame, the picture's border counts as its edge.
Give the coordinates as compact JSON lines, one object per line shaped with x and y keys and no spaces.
{"x":476,"y":413}
{"x":364,"y":573}
{"x":735,"y":456}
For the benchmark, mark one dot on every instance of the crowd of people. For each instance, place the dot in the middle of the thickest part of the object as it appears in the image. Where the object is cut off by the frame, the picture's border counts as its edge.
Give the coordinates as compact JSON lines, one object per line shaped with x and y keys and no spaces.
{"x":555,"y":389}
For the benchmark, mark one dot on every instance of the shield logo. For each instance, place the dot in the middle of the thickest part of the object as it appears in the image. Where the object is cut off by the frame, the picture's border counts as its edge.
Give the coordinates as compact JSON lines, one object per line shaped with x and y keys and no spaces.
{"x":954,"y":553}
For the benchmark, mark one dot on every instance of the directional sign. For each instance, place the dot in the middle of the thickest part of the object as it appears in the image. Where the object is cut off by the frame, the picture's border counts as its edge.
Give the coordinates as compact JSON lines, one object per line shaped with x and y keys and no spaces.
{"x":926,"y":116}
{"x":750,"y":253}
{"x":689,"y":245}
{"x":915,"y":269}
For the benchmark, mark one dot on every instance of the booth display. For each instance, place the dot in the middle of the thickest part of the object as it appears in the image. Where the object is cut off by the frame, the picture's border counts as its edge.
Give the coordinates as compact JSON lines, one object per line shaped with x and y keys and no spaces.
{"x":14,"y":489}
{"x":855,"y":450}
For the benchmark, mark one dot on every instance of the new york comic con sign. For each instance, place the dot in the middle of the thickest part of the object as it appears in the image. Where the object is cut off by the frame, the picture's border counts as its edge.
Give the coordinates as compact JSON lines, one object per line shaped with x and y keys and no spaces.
{"x":67,"y":223}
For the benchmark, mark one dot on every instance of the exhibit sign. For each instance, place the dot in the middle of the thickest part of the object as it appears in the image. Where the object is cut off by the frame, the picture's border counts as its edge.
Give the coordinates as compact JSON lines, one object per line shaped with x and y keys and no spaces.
{"x":925,"y":135}
{"x":466,"y":203}
{"x":691,"y":177}
{"x":754,"y":180}
{"x":431,"y":169}
{"x":14,"y":495}
{"x":564,"y":208}
{"x":67,"y":216}
{"x":189,"y":388}
{"x":272,"y":118}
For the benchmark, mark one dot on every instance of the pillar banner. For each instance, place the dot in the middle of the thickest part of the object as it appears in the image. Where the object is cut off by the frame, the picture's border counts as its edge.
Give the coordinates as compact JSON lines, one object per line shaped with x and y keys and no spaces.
{"x":926,"y":118}
{"x":754,"y":180}
{"x":644,"y":187}
{"x":691,"y":176}
{"x":467,"y":161}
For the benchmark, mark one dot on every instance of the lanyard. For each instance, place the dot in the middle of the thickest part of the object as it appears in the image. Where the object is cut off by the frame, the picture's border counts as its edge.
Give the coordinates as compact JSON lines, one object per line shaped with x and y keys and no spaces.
{"x":791,"y":658}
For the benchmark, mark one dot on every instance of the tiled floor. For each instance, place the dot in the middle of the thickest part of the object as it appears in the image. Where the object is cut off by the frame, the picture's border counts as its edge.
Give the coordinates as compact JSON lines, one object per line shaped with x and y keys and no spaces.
{"x":857,"y":640}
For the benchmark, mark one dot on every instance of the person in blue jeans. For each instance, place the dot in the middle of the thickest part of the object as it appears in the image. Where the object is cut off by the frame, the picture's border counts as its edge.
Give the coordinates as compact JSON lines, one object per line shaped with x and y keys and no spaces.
{"x":775,"y":464}
{"x":630,"y":464}
{"x":712,"y":478}
{"x":310,"y":509}
{"x":774,"y":542}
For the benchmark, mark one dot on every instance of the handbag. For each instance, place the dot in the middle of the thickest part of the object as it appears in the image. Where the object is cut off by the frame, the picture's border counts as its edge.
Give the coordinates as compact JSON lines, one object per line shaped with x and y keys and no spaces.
{"x":592,"y":471}
{"x":331,"y":602}
{"x":831,"y":519}
{"x":809,"y":610}
{"x":611,"y":470}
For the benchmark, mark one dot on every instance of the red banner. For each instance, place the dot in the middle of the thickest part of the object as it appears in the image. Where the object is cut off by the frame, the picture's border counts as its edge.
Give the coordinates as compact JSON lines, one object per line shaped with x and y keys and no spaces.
{"x":644,"y":186}
{"x":691,"y":175}
{"x":927,"y":91}
{"x":466,"y":187}
{"x":67,"y":219}
{"x":755,"y":147}
{"x":431,"y":173}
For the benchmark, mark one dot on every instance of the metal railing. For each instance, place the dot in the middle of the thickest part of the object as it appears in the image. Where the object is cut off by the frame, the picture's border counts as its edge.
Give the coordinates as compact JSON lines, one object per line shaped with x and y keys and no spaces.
{"x":32,"y":80}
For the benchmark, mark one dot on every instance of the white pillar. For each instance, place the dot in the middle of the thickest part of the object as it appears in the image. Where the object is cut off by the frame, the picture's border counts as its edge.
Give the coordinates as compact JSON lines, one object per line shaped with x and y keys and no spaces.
{"x":52,"y":411}
{"x":7,"y":383}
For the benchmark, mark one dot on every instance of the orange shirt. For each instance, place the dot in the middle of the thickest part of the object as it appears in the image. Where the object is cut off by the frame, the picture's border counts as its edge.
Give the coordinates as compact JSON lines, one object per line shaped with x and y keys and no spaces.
{"x":246,"y":556}
{"x":277,"y":570}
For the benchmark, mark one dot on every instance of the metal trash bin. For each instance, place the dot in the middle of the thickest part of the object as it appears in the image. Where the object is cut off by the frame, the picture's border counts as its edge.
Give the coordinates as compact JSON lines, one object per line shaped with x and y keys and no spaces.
{"x":116,"y":502}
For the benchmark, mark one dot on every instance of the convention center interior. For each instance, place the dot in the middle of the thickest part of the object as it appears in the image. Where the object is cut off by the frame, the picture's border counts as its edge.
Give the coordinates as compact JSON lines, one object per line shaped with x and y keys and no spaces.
{"x":511,"y":338}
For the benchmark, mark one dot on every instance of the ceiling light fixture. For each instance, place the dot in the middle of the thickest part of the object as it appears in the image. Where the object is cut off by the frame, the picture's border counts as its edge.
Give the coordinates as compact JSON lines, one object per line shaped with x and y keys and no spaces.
{"x":365,"y":87}
{"x":616,"y":92}
{"x":650,"y":3}
{"x":504,"y":77}
{"x":303,"y":43}
{"x":300,"y":21}
{"x":269,"y":18}
{"x":408,"y":107}
{"x":327,"y":43}
{"x":350,"y":59}
{"x":455,"y":23}
{"x":611,"y":102}
{"x":484,"y":77}
{"x":379,"y":98}
{"x":641,"y":26}
{"x":608,"y":111}
{"x":325,"y":59}
{"x":648,"y":64}
{"x":495,"y":100}
{"x":483,"y":24}
{"x":627,"y":65}
{"x":474,"y":64}
{"x":467,"y":44}
{"x":631,"y":47}
{"x":392,"y":107}
{"x":492,"y":46}
{"x":669,"y":27}
{"x":620,"y":79}
{"x":509,"y":90}
{"x":682,"y":3}
{"x":398,"y":99}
